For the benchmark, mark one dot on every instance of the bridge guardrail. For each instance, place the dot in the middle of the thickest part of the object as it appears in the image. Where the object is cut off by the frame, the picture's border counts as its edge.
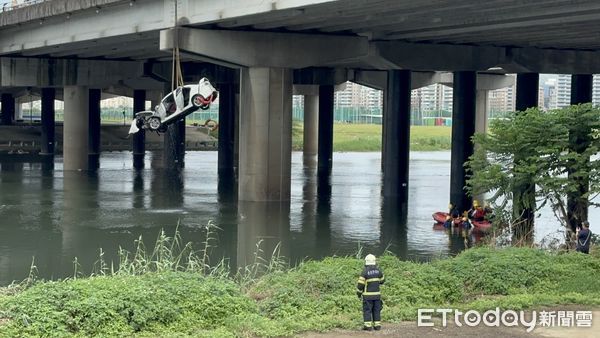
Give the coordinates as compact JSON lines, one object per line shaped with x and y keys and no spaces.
{"x":9,"y":6}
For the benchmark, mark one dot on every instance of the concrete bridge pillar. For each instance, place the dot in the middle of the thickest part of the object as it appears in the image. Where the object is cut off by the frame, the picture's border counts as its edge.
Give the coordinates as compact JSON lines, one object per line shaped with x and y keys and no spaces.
{"x":174,"y":141}
{"x":311,"y":127}
{"x":325,"y":139}
{"x":481,"y":117}
{"x":527,"y":91}
{"x":236,"y":144}
{"x":524,"y":195}
{"x":577,"y":207}
{"x":384,"y":110}
{"x":8,"y":109}
{"x":396,"y":123}
{"x":48,"y":122}
{"x":18,"y":114}
{"x":138,"y":141}
{"x":581,"y":88}
{"x":227,"y":140}
{"x":227,"y":123}
{"x":265,"y":134}
{"x":76,"y":128}
{"x":95,"y":96}
{"x":463,"y":128}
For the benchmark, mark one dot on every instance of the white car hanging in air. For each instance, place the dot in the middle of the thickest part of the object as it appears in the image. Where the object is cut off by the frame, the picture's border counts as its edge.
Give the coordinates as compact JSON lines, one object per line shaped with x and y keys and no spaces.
{"x":181,"y":102}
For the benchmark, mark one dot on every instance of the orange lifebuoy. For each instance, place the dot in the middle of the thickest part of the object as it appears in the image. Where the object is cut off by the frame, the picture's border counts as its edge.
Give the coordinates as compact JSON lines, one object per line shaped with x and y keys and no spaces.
{"x":211,"y":125}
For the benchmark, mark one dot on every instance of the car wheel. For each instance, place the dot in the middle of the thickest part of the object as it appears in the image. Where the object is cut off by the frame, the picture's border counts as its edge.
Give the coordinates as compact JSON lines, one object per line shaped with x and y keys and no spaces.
{"x":205,"y":107}
{"x":197,"y":101}
{"x":154,"y":123}
{"x":139,"y":122}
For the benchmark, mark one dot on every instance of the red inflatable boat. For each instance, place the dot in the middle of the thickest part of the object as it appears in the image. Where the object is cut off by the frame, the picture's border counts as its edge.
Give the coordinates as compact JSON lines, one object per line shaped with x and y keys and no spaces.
{"x":482,"y":225}
{"x":440,"y":217}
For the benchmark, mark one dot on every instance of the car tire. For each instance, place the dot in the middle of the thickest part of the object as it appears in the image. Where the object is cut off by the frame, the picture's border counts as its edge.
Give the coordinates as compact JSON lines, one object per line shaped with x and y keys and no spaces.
{"x":205,"y":107}
{"x":154,"y":123}
{"x":162,"y":129}
{"x":197,"y":101}
{"x":139,"y":122}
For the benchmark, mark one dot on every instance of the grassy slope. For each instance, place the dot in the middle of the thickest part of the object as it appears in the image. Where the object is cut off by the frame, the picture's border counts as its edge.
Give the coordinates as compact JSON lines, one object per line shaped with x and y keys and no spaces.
{"x":367,"y":137}
{"x":317,"y":295}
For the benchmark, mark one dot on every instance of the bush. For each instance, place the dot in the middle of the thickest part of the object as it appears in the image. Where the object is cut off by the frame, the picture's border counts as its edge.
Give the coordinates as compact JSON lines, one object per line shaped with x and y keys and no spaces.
{"x":120,"y":305}
{"x":316,"y":296}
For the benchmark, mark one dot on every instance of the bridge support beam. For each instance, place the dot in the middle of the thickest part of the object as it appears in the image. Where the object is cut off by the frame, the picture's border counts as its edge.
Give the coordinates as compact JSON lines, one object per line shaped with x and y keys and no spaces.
{"x":76,"y":128}
{"x":8,"y":109}
{"x":226,"y":129}
{"x":227,"y":141}
{"x":463,"y":128}
{"x":325,"y":141}
{"x":174,"y":142}
{"x":524,"y":195}
{"x":577,"y":207}
{"x":94,"y":123}
{"x":138,"y":141}
{"x":48,"y":122}
{"x":481,"y":117}
{"x":265,"y":134}
{"x":396,"y":124}
{"x":311,"y":128}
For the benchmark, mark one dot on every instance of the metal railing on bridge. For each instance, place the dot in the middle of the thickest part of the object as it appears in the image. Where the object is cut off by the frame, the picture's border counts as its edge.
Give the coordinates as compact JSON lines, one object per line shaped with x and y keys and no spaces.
{"x":14,"y":4}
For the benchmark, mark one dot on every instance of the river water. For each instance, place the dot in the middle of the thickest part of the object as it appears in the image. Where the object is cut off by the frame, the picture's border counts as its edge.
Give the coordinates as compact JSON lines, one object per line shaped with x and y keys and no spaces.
{"x":56,"y":216}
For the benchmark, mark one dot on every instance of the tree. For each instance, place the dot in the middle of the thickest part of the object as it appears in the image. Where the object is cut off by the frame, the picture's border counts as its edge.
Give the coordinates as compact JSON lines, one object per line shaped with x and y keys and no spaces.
{"x":533,"y":158}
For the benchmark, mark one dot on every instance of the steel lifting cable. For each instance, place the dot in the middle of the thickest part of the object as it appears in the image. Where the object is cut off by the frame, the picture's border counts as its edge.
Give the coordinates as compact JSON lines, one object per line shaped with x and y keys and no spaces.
{"x":177,"y":79}
{"x":177,"y":76}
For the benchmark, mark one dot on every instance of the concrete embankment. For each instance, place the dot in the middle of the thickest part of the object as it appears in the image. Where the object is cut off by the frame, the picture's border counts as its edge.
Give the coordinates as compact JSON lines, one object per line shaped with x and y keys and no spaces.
{"x":26,"y":139}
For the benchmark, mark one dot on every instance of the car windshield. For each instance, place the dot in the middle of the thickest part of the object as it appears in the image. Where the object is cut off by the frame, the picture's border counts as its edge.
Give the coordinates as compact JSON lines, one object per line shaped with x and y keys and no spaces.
{"x":169,"y":100}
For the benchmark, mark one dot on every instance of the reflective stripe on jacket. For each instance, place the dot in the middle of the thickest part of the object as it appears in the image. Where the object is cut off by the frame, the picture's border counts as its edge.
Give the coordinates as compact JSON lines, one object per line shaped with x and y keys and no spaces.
{"x":369,"y":281}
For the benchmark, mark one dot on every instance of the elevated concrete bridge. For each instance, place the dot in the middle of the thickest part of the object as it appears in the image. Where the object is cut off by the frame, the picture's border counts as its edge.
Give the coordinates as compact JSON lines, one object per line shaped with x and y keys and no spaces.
{"x":268,"y":49}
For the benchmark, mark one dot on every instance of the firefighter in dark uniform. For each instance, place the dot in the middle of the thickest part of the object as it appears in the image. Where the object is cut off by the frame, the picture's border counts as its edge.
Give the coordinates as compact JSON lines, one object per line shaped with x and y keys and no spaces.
{"x":368,"y":290}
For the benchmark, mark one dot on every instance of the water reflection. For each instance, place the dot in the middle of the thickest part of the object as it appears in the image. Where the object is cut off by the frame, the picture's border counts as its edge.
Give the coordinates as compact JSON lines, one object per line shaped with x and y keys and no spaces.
{"x":323,"y":213}
{"x":393,"y":227}
{"x":139,"y":200}
{"x":263,"y":229}
{"x":56,"y":216}
{"x":167,"y":189}
{"x":80,"y":214}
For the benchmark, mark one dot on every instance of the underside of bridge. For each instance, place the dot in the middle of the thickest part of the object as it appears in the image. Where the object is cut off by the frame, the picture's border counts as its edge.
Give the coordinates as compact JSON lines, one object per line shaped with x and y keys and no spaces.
{"x":308,"y":47}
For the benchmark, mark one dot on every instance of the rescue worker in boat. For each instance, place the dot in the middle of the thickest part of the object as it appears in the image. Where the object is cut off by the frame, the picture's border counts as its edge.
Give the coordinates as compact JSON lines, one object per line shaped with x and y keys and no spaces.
{"x":583,"y":236}
{"x":453,"y":215}
{"x":476,"y":213}
{"x":449,"y":221}
{"x":465,"y":224}
{"x":368,"y":290}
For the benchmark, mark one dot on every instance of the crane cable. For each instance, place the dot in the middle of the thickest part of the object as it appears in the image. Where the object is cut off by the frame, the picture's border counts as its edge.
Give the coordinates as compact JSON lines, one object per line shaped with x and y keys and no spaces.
{"x":177,"y":79}
{"x":177,"y":76}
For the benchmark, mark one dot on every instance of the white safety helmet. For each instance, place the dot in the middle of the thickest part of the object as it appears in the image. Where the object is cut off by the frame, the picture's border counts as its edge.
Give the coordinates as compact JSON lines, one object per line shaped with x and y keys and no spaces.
{"x":370,"y":260}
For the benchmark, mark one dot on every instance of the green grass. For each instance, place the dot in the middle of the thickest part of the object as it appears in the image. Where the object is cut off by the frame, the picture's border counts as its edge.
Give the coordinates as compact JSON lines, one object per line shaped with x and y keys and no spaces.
{"x":315,"y":296}
{"x":367,"y":137}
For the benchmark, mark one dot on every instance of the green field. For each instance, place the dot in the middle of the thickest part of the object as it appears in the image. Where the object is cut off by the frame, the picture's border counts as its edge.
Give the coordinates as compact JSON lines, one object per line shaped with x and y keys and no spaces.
{"x":367,"y":137}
